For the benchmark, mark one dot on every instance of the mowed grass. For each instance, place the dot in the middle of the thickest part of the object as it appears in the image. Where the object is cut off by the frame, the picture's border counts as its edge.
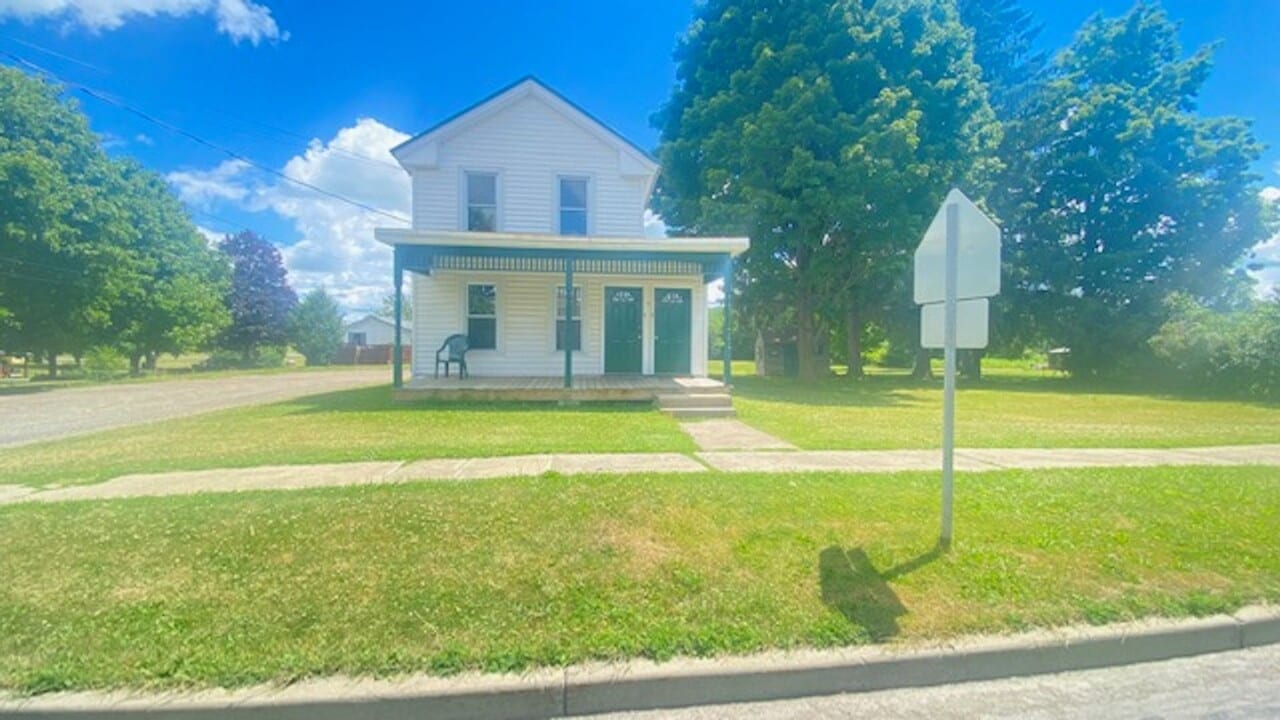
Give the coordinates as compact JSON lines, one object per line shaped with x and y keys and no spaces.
{"x":1011,"y":407}
{"x":1014,"y":406}
{"x":349,"y":425}
{"x":505,"y":575}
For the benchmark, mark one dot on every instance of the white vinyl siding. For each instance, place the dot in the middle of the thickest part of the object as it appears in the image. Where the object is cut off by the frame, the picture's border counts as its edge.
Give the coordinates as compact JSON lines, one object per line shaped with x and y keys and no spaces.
{"x":526,"y":320}
{"x":532,"y":145}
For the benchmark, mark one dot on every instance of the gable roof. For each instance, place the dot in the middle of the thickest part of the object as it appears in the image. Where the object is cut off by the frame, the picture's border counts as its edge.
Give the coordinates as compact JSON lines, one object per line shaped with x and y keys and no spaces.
{"x":376,"y":318}
{"x":520,"y":88}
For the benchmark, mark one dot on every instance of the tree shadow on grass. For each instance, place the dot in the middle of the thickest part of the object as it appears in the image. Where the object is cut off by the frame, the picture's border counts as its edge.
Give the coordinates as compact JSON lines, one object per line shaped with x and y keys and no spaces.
{"x":853,"y":586}
{"x":827,"y":391}
{"x":887,"y":390}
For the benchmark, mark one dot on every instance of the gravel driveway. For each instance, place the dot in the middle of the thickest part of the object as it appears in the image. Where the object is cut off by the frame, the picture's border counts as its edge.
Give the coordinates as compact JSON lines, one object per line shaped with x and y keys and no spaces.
{"x":64,"y":412}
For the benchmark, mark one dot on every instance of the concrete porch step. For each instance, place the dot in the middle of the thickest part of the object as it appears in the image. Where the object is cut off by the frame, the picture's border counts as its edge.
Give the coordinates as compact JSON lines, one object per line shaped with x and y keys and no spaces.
{"x":670,"y":401}
{"x":687,"y":413}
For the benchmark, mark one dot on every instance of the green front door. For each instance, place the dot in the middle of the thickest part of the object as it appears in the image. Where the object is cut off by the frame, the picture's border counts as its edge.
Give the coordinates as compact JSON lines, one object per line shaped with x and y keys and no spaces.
{"x":623,"y":329}
{"x":672,"y":339}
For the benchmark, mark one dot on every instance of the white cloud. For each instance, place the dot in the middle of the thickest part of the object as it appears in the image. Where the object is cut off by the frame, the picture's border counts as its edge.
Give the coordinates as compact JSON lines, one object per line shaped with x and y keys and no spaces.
{"x":203,"y":187}
{"x":238,"y":19}
{"x":654,"y":227}
{"x":1266,"y":255}
{"x":144,"y":139}
{"x":212,"y":237}
{"x":337,"y":249}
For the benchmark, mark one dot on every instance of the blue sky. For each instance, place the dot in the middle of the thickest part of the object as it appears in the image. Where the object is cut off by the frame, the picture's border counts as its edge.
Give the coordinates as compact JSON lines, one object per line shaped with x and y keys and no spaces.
{"x":322,"y":90}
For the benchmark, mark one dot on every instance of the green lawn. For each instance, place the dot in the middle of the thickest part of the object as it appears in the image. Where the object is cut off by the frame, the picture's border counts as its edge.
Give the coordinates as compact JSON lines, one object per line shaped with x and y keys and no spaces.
{"x":349,"y":425}
{"x":1013,"y":406}
{"x":507,"y":574}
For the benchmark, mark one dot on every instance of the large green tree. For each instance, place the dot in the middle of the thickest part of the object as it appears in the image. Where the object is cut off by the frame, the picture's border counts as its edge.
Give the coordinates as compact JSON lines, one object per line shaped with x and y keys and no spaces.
{"x":1132,"y":194}
{"x":1004,"y":42}
{"x":180,"y":306}
{"x":1004,"y":47}
{"x":828,"y":132}
{"x":64,"y":235}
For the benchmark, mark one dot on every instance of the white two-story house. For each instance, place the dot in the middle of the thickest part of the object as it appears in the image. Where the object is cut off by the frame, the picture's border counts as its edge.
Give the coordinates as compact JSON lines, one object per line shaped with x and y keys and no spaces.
{"x":528,"y":238}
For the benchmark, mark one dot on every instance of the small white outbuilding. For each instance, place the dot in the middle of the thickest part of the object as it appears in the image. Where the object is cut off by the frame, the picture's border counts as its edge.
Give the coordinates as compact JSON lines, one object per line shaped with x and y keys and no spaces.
{"x":372,"y":330}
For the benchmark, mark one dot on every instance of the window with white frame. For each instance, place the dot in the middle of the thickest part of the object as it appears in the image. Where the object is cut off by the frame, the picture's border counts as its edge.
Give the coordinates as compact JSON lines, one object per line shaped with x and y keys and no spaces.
{"x":569,"y":323}
{"x":482,"y":317}
{"x":482,"y":201}
{"x":573,"y":206}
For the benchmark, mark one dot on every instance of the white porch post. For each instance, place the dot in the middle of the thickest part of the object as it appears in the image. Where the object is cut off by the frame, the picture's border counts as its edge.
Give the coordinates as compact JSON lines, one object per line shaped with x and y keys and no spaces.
{"x":397,"y":361}
{"x":727,"y":353}
{"x":568,"y":322}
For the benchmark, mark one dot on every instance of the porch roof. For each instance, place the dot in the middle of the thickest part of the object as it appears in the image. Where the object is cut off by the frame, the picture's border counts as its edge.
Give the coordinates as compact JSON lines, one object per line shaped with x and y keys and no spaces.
{"x":560,"y":245}
{"x":425,"y":250}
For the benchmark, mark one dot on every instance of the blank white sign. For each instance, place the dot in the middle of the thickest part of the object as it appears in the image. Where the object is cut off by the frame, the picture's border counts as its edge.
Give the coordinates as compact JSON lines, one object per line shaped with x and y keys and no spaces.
{"x":978,"y":254}
{"x":971,"y":324}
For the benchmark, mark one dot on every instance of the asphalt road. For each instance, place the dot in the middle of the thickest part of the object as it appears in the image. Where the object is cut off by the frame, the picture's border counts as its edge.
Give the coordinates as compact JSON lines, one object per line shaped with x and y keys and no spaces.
{"x":1225,"y":686}
{"x":51,"y":414}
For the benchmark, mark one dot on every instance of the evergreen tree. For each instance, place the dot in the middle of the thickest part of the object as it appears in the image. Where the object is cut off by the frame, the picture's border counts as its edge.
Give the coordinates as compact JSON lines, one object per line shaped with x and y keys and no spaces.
{"x":1130,"y":194}
{"x":316,"y":328}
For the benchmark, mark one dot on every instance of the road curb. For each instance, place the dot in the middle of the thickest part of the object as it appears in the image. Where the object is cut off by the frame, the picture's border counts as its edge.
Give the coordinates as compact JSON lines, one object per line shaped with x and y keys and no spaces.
{"x":646,"y":685}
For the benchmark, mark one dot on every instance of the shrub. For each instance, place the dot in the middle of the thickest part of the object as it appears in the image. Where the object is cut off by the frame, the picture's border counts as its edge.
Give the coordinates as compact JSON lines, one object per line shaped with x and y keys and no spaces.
{"x":105,"y":362}
{"x":1236,"y":353}
{"x":267,"y":357}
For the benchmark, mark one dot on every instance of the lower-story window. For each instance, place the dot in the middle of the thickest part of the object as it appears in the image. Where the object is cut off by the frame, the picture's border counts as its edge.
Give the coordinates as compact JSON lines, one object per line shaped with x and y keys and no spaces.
{"x":482,"y":317}
{"x":571,"y":325}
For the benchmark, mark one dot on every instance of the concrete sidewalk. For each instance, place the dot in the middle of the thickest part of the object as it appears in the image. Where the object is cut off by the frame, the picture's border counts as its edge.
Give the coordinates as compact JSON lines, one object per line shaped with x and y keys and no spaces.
{"x":977,"y":460}
{"x":290,"y":477}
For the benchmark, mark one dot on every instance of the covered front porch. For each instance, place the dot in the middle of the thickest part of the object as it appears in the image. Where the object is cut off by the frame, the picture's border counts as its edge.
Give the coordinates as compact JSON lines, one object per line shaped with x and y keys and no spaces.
{"x":629,"y":343}
{"x":587,"y":388}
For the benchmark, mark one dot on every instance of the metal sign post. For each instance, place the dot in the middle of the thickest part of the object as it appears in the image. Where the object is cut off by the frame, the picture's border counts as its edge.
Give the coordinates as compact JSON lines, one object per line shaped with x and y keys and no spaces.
{"x":957,"y":267}
{"x":949,"y":372}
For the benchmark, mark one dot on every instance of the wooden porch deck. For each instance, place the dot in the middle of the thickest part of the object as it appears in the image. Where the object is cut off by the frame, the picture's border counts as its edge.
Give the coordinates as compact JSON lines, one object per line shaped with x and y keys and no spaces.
{"x":586,"y":388}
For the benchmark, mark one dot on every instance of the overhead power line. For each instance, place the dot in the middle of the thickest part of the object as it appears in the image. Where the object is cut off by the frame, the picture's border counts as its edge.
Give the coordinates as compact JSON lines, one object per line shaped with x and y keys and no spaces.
{"x":243,"y":121}
{"x":55,"y":53}
{"x":106,"y":98}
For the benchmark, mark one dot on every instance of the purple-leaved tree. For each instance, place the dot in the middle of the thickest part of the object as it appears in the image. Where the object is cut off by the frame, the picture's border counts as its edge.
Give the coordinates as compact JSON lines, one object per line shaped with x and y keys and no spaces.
{"x":260,"y":299}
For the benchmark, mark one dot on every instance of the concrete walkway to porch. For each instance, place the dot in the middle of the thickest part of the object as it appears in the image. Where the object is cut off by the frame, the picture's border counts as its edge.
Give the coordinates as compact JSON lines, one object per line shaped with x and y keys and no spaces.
{"x":289,"y":477}
{"x":730,"y":434}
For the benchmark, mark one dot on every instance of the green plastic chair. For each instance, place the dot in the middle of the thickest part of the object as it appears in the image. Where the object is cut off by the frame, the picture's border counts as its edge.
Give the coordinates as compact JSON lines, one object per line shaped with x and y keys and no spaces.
{"x":454,"y":350}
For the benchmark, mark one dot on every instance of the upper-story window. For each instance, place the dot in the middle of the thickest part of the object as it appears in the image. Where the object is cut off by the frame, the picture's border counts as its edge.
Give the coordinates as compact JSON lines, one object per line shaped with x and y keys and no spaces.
{"x":482,"y":202}
{"x":573,"y":206}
